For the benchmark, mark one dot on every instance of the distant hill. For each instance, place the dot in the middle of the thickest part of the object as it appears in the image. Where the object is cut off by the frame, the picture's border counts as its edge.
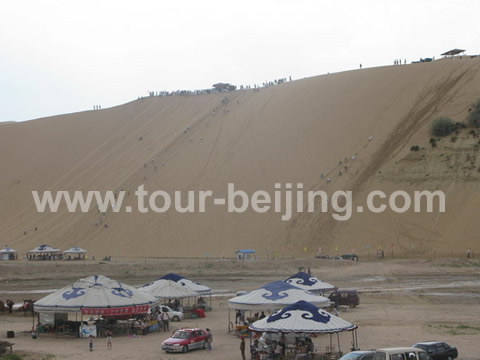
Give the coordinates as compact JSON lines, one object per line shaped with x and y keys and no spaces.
{"x":300,"y":131}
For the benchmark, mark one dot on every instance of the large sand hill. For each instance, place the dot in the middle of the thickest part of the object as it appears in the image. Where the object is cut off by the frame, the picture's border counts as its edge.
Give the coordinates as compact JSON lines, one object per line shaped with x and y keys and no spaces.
{"x":293,"y":132}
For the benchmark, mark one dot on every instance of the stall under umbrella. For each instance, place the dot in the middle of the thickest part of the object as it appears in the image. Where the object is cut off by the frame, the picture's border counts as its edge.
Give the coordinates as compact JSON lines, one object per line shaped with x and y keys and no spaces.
{"x":44,"y":252}
{"x":309,"y":283}
{"x":303,"y":317}
{"x":76,"y":252}
{"x":271,"y":297}
{"x":8,"y":254}
{"x":97,"y":295}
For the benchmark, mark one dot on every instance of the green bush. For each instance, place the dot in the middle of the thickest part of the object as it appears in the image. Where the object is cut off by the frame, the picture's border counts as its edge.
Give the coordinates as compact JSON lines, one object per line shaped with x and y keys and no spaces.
{"x":433,"y":142}
{"x":11,"y":357}
{"x":473,"y":117}
{"x":442,"y":126}
{"x":415,"y":148}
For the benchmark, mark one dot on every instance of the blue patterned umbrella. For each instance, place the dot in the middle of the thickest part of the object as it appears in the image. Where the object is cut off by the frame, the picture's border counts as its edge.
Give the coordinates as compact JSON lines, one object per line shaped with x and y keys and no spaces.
{"x":302,"y":317}
{"x":308,"y":282}
{"x":199,"y":288}
{"x":98,"y":295}
{"x":275,"y":295}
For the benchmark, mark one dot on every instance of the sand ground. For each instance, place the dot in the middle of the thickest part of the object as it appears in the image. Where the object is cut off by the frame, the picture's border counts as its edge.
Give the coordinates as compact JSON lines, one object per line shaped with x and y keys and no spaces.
{"x":402,"y":302}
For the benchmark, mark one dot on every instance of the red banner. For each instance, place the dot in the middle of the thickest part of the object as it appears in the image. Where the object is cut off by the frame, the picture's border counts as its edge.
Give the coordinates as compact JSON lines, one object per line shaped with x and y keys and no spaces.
{"x":116,"y":311}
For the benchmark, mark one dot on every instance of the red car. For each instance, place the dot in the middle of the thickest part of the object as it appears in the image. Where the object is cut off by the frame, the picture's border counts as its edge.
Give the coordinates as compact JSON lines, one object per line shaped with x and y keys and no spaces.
{"x":185,"y":339}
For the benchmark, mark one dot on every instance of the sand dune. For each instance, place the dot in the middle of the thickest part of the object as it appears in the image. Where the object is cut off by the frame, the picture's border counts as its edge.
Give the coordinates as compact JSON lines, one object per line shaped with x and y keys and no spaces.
{"x":293,"y":132}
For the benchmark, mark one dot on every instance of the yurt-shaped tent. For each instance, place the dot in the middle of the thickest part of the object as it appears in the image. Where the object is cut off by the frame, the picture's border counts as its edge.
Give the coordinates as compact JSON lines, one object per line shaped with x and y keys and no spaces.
{"x":97,"y":295}
{"x":273,"y":296}
{"x":75,"y":253}
{"x":303,"y":317}
{"x":44,"y":252}
{"x":309,"y":283}
{"x":198,"y":288}
{"x":8,"y":253}
{"x":167,"y":289}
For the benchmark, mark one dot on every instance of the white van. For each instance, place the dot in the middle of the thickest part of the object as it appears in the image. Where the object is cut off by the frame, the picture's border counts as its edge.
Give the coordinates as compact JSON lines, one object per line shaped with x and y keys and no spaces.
{"x":407,"y":353}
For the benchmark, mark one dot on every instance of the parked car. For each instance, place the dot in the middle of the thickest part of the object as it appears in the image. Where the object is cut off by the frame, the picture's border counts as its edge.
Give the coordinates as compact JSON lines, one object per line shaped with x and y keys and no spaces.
{"x":172,"y":314}
{"x":347,"y":297}
{"x":322,"y":257}
{"x":438,"y":350}
{"x":184,"y":340}
{"x":401,"y":354}
{"x":352,"y":257}
{"x":359,"y":355}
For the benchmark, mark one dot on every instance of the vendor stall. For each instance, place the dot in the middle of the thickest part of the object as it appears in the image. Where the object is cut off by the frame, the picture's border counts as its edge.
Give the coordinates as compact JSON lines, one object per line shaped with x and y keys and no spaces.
{"x":44,"y":252}
{"x":8,"y":254}
{"x":270,"y":297}
{"x":95,"y":296}
{"x":74,"y":253}
{"x":304,"y":318}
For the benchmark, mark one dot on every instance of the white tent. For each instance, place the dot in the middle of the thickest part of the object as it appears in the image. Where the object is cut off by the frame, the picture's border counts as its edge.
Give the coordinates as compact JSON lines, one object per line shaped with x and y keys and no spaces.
{"x":97,"y":295}
{"x":275,"y":295}
{"x":302,"y":317}
{"x":199,"y":288}
{"x":167,"y":289}
{"x":309,"y":283}
{"x":75,"y":251}
{"x":8,"y":253}
{"x":43,"y":249}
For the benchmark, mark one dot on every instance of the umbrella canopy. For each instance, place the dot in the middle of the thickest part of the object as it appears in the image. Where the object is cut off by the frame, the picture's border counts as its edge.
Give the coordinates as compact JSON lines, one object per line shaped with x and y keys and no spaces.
{"x":200,"y":289}
{"x":275,"y":295}
{"x":302,"y":317}
{"x":44,"y":249}
{"x":75,"y":250}
{"x":167,"y":289}
{"x":308,"y":282}
{"x":99,"y":295}
{"x":7,"y":250}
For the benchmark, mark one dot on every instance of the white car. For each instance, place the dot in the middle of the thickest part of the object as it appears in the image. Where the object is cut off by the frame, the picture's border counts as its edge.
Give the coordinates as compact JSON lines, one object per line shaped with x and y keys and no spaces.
{"x":401,"y":354}
{"x":172,"y":314}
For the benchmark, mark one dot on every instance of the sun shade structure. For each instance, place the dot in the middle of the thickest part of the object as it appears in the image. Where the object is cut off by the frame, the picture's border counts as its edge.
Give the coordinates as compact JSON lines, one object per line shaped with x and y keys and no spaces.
{"x":8,"y":253}
{"x":309,"y":283}
{"x":275,"y":295}
{"x":453,"y":52}
{"x":198,"y":288}
{"x":44,"y":249}
{"x":167,"y":289}
{"x":75,"y":250}
{"x":97,"y":295}
{"x":302,"y":317}
{"x":244,"y":254}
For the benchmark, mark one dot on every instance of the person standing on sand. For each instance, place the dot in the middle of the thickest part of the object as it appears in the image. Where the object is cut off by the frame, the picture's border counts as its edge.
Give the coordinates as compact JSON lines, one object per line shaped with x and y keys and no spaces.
{"x":165,"y":321}
{"x":108,"y":335}
{"x":209,"y":339}
{"x":90,"y":342}
{"x":242,"y":347}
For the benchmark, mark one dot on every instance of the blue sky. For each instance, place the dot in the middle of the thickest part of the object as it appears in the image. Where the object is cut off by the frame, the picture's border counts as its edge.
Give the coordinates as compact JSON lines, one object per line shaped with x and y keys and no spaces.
{"x":66,"y":56}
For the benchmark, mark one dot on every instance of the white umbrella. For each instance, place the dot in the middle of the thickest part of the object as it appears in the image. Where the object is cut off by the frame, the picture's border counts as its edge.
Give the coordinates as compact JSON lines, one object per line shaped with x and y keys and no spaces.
{"x":75,"y":250}
{"x":167,"y":289}
{"x":44,"y":249}
{"x":309,"y":283}
{"x":199,"y":288}
{"x":302,"y":317}
{"x":97,"y":294}
{"x":275,"y":295}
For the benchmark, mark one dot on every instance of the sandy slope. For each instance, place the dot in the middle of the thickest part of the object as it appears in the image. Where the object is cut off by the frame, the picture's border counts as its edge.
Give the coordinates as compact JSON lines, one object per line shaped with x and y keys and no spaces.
{"x":292,"y":132}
